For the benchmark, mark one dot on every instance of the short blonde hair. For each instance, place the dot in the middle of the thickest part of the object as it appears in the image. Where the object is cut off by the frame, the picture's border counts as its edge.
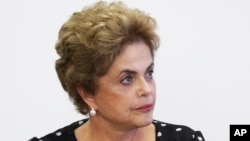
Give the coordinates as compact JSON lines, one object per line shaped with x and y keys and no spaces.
{"x":91,"y":39}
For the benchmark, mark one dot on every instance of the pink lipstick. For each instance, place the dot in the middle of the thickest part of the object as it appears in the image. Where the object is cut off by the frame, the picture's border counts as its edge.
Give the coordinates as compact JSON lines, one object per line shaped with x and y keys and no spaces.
{"x":146,"y":107}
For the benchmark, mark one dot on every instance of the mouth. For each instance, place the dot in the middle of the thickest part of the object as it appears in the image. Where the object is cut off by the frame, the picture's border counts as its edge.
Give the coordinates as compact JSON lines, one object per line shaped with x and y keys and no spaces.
{"x":146,"y":107}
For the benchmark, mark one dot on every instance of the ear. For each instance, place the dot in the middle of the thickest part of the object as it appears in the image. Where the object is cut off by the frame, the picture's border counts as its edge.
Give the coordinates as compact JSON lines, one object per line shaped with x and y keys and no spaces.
{"x":86,"y":97}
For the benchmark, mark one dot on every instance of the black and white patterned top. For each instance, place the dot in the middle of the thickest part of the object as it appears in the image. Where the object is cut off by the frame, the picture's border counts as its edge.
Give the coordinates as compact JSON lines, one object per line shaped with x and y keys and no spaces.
{"x":164,"y":132}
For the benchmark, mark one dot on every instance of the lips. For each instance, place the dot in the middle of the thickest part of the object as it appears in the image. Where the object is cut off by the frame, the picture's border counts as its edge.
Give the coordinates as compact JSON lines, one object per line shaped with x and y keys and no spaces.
{"x":145,"y":107}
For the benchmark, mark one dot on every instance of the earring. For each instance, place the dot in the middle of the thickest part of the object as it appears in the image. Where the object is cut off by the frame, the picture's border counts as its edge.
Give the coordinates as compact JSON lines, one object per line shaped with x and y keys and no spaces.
{"x":92,"y":112}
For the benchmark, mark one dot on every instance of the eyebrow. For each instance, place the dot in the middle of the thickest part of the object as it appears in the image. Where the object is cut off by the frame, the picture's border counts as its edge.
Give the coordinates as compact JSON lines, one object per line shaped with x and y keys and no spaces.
{"x":134,"y":72}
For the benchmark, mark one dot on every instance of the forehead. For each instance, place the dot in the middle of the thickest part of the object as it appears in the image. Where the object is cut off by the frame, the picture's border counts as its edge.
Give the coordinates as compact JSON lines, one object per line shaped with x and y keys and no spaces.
{"x":136,"y":54}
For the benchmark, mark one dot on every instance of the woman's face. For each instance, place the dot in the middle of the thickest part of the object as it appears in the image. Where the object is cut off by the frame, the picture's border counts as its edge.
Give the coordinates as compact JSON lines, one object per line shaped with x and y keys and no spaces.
{"x":126,"y":94}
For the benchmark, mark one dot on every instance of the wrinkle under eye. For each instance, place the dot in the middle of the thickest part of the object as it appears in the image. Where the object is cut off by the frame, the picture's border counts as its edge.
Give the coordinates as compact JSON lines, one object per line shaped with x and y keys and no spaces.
{"x":127,"y":80}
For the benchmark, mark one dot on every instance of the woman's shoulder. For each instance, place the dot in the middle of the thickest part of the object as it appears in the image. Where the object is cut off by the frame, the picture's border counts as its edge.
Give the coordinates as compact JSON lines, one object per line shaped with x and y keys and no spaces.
{"x":168,"y":131}
{"x":65,"y":133}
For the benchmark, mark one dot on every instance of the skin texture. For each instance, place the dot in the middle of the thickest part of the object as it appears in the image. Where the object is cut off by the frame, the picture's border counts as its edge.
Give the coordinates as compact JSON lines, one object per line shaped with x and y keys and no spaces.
{"x":125,"y":98}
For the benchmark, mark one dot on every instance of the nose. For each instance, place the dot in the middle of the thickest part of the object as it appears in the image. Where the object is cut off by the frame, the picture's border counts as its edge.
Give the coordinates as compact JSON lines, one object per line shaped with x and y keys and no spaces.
{"x":145,"y":87}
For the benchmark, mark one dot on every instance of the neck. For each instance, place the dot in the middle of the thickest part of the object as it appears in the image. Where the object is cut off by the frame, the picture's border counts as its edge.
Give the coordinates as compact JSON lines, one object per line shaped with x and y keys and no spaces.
{"x":112,"y":132}
{"x":96,"y":131}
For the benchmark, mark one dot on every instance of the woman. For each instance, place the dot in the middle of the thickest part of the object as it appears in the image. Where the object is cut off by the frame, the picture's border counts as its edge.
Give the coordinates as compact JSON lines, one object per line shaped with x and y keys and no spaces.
{"x":106,"y":65}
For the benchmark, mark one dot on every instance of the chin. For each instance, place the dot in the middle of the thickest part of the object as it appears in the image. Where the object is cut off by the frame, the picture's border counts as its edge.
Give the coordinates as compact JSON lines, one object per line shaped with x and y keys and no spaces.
{"x":149,"y":120}
{"x":145,"y":121}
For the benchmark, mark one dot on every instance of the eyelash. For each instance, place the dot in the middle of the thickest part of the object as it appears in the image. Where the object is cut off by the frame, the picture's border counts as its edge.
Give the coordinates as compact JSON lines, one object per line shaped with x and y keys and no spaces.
{"x":129,"y":78}
{"x":150,"y":72}
{"x":126,"y":78}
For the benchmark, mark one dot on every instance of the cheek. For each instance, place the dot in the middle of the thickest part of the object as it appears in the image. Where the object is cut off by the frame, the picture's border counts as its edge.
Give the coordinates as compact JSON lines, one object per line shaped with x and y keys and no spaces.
{"x":154,"y":89}
{"x":117,"y":106}
{"x":114,"y":97}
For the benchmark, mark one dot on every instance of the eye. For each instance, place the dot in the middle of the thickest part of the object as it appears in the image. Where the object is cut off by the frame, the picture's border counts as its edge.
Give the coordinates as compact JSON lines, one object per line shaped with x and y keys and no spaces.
{"x":150,"y":74}
{"x":127,"y":80}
